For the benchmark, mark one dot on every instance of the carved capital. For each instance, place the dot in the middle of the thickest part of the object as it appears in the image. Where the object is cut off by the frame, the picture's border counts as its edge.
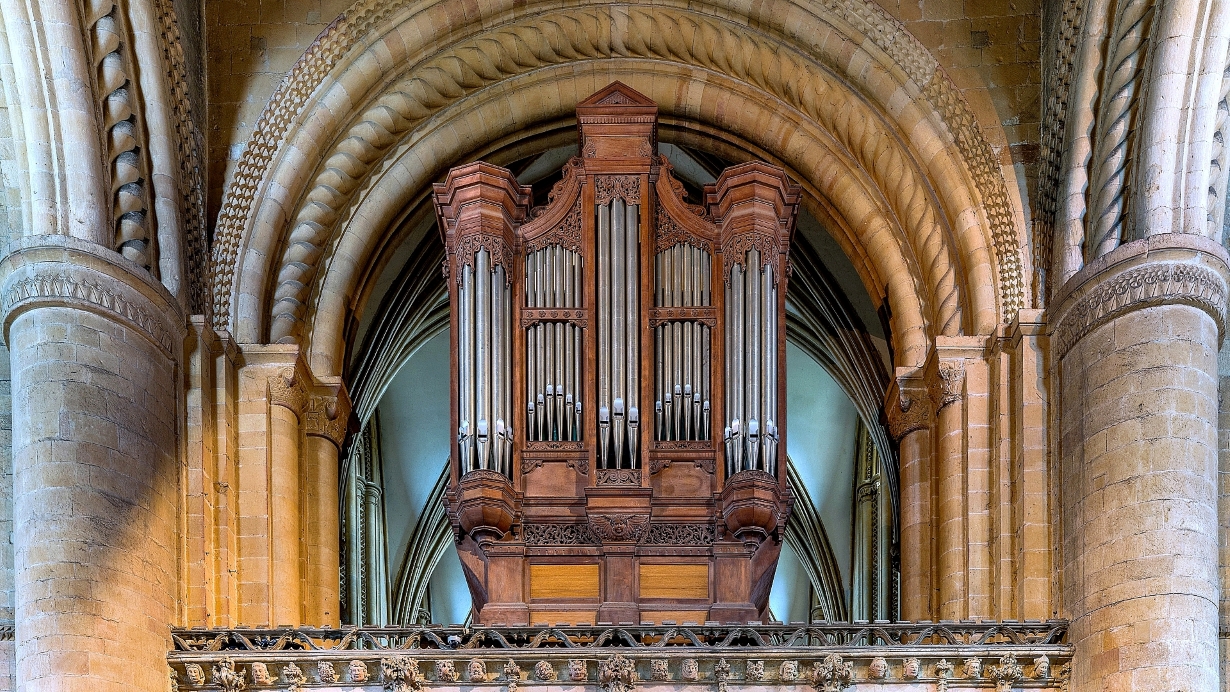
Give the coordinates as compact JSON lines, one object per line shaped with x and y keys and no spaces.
{"x":286,"y":389}
{"x":326,"y":416}
{"x":906,"y":411}
{"x":946,"y":385}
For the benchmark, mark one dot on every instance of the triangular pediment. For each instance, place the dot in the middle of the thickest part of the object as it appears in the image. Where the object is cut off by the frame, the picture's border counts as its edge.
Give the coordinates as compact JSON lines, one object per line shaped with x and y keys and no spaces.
{"x":618,"y":94}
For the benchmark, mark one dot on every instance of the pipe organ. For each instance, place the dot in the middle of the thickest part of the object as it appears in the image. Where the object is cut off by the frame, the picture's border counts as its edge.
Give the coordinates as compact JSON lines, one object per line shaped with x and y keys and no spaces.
{"x":617,"y":403}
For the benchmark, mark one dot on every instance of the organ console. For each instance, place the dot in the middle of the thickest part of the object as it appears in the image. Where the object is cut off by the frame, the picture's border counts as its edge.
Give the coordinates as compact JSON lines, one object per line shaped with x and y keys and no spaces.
{"x":617,"y":389}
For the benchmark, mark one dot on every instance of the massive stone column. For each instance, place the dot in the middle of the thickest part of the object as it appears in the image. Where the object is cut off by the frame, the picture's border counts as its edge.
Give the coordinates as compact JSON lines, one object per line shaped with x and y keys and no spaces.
{"x":94,"y":345}
{"x":1135,"y":336}
{"x":908,"y":412}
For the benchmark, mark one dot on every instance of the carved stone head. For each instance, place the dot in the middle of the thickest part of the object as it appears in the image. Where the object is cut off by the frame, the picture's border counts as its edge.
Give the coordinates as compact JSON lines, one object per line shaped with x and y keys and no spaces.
{"x":357,"y":671}
{"x":260,"y":674}
{"x":973,"y":668}
{"x":476,"y":671}
{"x":659,"y":669}
{"x":195,"y":674}
{"x":577,"y":670}
{"x":1042,"y":667}
{"x":543,"y":670}
{"x":788,"y":671}
{"x":754,"y":671}
{"x":910,"y":668}
{"x":878,"y":668}
{"x":446,"y":671}
{"x":325,"y":672}
{"x":690,"y":670}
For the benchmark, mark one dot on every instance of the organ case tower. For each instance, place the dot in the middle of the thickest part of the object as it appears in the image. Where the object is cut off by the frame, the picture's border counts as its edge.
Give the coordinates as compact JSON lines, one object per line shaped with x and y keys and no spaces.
{"x":618,"y":398}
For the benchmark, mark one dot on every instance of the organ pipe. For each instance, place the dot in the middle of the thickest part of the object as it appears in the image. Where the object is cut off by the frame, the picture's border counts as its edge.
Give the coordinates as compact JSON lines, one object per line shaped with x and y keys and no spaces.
{"x":484,"y":369}
{"x":682,"y":389}
{"x":751,"y":431}
{"x":618,"y":334}
{"x":553,"y":349}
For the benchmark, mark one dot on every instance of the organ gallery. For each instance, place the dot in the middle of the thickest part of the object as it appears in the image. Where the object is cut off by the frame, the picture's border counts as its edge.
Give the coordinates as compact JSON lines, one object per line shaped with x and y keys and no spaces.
{"x":619,"y":414}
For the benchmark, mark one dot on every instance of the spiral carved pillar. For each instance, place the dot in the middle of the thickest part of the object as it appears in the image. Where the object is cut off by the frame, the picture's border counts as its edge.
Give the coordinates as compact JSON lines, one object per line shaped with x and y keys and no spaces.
{"x":1134,"y":337}
{"x":95,"y":350}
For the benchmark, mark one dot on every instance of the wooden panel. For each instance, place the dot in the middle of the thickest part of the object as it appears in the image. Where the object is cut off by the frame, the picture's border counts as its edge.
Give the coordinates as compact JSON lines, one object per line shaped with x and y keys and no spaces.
{"x":562,"y":617}
{"x":675,"y":581}
{"x":677,"y":616}
{"x":564,"y":582}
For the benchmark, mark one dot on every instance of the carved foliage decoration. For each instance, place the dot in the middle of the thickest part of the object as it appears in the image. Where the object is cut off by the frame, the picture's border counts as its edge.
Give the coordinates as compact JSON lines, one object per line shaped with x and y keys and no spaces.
{"x":566,"y":234}
{"x":735,"y":249}
{"x":629,"y":477}
{"x":557,"y":534}
{"x":326,"y":416}
{"x":469,"y":245}
{"x":401,"y":674}
{"x":907,"y":414}
{"x":833,"y":675}
{"x":680,"y":534}
{"x":1006,"y":674}
{"x":617,"y":674}
{"x":618,"y":528}
{"x":948,"y":384}
{"x":286,"y":389}
{"x":227,"y":678}
{"x":608,"y":187}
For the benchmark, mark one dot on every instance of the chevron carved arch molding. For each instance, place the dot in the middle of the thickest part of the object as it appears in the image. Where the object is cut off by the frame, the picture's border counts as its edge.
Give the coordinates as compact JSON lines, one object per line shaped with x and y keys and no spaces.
{"x":928,"y":171}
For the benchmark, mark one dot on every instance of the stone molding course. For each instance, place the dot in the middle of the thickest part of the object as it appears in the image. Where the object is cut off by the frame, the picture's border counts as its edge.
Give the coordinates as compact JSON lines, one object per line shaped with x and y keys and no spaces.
{"x":60,"y":271}
{"x":1166,"y":269}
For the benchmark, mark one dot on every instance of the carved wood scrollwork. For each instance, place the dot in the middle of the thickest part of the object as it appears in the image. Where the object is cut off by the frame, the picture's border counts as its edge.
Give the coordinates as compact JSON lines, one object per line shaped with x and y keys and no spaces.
{"x":707,"y":464}
{"x":703,"y":315}
{"x":469,"y":245}
{"x":671,"y":233}
{"x":628,"y":477}
{"x":608,"y":187}
{"x":566,"y":234}
{"x":734,"y":251}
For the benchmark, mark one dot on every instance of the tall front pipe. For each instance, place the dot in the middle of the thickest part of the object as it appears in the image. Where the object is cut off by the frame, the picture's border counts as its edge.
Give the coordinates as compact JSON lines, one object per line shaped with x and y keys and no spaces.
{"x":617,"y":337}
{"x":632,"y":324}
{"x":482,"y":340}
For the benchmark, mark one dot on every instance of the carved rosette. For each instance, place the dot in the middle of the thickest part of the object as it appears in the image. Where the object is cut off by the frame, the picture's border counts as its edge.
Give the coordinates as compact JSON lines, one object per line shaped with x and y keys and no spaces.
{"x":608,"y":187}
{"x":286,"y":389}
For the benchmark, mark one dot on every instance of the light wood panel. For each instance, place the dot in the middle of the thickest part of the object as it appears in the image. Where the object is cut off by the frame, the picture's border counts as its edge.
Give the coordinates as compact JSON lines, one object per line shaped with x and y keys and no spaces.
{"x":675,"y":581}
{"x":564,"y":582}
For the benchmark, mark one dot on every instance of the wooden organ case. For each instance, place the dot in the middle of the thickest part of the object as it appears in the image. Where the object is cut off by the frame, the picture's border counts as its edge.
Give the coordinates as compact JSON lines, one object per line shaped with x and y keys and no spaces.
{"x":618,"y":390}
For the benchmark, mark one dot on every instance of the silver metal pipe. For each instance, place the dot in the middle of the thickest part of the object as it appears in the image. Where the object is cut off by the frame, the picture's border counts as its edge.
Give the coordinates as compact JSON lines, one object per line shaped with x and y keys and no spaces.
{"x":632,"y":325}
{"x":540,"y":367}
{"x":657,"y":383}
{"x":728,"y":365}
{"x":497,"y":366}
{"x":531,"y":385}
{"x":768,"y":355}
{"x":482,"y":340}
{"x":706,"y":374}
{"x":738,"y":376}
{"x":465,"y":381}
{"x":618,"y":325}
{"x":508,"y":379}
{"x":576,"y":354}
{"x":558,"y":415}
{"x":604,"y":330}
{"x":566,"y":432}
